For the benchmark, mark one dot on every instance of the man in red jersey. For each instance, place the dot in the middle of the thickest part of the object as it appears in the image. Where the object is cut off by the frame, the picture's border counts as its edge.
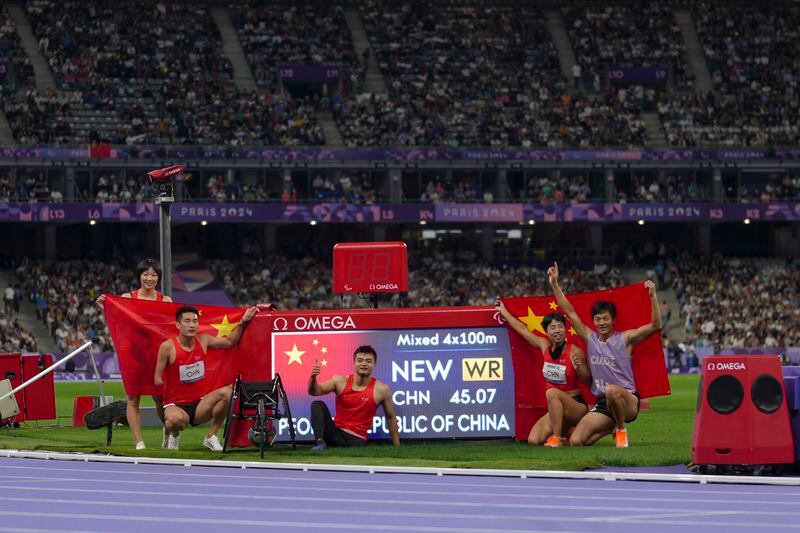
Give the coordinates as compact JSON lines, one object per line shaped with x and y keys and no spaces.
{"x":181,"y":371}
{"x":357,"y":399}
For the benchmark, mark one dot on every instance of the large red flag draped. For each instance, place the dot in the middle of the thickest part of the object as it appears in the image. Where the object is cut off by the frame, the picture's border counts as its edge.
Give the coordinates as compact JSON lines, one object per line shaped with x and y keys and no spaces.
{"x":633,"y":310}
{"x":138,"y":327}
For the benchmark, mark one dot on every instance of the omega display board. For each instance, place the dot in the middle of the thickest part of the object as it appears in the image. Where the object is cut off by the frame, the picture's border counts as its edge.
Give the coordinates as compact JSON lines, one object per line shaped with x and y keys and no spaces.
{"x":450,"y":369}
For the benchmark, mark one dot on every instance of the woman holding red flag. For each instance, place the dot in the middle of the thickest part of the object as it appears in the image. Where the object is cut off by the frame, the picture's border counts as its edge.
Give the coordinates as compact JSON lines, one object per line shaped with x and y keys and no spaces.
{"x":149,"y":274}
{"x":563,"y":369}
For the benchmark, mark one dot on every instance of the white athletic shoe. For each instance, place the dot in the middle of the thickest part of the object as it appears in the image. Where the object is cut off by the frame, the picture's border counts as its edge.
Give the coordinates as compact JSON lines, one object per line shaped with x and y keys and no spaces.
{"x":140,"y":445}
{"x":212,"y":443}
{"x":165,"y":441}
{"x":173,"y":443}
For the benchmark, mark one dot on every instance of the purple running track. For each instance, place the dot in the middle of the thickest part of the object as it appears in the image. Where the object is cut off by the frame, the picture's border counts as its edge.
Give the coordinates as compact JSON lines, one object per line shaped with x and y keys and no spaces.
{"x":42,"y":495}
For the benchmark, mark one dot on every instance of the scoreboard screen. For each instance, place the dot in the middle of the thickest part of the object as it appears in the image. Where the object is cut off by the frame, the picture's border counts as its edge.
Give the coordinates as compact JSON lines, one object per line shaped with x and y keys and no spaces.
{"x":370,"y":267}
{"x":445,"y":382}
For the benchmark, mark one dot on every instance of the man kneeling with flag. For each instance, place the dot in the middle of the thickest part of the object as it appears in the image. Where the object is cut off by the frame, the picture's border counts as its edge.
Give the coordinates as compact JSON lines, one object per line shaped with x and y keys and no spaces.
{"x":181,"y":370}
{"x":610,"y":355}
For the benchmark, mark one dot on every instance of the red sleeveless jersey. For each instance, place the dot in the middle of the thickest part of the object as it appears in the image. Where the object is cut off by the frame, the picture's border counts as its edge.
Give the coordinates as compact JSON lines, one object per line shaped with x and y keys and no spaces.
{"x":559,"y":373}
{"x":355,"y":409}
{"x":159,"y":296}
{"x":184,"y":378}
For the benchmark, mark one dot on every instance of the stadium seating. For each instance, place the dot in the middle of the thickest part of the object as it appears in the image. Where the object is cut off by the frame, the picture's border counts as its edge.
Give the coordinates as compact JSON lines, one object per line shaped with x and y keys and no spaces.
{"x":738,"y":303}
{"x":752,"y":52}
{"x":477,"y":74}
{"x":641,"y":34}
{"x":309,"y":33}
{"x":19,"y":68}
{"x":151,"y":73}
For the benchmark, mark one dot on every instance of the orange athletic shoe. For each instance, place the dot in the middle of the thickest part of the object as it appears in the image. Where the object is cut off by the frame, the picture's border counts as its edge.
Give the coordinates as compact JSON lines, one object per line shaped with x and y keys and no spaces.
{"x":553,"y":442}
{"x":621,"y":438}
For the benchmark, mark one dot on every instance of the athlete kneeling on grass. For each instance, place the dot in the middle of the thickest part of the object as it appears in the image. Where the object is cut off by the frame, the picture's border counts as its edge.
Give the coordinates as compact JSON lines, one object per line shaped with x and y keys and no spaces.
{"x":181,"y":371}
{"x":610,"y":353}
{"x":564,"y":366}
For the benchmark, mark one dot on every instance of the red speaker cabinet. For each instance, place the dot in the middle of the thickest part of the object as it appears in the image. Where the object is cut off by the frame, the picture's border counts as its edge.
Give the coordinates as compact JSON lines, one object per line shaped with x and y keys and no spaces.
{"x":742,"y":417}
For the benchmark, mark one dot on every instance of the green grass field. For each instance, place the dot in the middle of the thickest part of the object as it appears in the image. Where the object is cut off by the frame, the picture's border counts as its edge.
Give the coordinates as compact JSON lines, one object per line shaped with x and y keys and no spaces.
{"x":661,"y":436}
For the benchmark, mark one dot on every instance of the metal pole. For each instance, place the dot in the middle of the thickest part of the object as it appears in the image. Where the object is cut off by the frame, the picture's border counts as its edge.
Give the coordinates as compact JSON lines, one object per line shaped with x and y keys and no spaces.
{"x":99,"y":381}
{"x":165,"y":239}
{"x":46,"y":371}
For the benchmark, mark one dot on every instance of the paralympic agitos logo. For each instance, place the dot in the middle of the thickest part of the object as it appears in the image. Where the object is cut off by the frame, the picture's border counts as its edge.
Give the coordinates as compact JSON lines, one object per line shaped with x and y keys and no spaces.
{"x":314,"y":323}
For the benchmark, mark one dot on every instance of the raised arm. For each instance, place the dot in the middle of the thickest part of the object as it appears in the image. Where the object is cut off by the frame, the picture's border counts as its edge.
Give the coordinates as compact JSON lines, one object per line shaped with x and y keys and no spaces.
{"x":635,"y":336}
{"x":517,"y":325}
{"x":388,"y":410}
{"x":220,"y":343}
{"x":316,"y":388}
{"x":566,"y":306}
{"x":164,"y":353}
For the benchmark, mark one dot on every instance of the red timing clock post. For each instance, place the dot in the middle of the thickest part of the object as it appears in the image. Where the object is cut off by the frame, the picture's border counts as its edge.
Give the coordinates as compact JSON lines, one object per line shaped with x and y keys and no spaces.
{"x":370,"y":267}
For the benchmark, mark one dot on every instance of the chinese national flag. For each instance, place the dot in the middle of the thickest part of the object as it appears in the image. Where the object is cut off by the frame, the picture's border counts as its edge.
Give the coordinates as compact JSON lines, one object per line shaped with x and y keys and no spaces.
{"x":633,"y":310}
{"x":100,"y":150}
{"x":138,"y":327}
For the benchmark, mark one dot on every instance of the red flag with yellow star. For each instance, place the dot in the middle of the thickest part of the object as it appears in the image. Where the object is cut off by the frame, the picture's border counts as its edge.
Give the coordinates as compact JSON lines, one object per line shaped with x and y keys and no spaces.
{"x":633,"y":310}
{"x":138,"y":327}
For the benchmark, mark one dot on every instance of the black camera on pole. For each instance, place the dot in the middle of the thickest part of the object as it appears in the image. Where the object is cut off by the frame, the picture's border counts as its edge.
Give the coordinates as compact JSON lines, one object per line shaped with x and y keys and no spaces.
{"x":162,"y":182}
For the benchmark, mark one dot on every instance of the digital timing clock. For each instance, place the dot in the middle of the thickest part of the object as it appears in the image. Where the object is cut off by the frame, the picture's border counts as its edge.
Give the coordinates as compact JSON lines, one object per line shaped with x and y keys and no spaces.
{"x":370,"y":267}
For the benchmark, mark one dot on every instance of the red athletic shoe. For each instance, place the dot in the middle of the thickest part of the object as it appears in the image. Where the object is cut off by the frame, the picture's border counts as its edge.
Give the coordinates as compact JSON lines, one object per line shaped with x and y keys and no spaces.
{"x":553,"y":442}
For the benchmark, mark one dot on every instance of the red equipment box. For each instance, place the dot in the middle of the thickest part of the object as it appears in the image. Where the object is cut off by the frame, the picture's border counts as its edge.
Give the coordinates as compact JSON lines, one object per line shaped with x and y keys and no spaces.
{"x":38,"y":400}
{"x":742,"y":417}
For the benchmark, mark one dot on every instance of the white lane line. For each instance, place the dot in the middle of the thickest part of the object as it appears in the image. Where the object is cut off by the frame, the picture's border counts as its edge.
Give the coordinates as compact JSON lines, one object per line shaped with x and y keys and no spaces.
{"x":752,"y":526}
{"x":267,"y":523}
{"x":267,"y":475}
{"x":278,"y":508}
{"x":30,"y":479}
{"x":411,"y":491}
{"x":482,"y":505}
{"x":33,"y":530}
{"x":527,"y":484}
{"x":432,"y":471}
{"x":659,"y":511}
{"x":684,"y":514}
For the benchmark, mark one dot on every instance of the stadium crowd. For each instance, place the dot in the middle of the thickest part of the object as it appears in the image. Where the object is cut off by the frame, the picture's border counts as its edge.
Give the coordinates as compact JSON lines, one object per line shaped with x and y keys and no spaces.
{"x":27,"y":187}
{"x":672,"y":189}
{"x":753,"y":54}
{"x":468,"y":76}
{"x":438,"y":278}
{"x":18,"y":65}
{"x":738,"y":303}
{"x":64,"y":293}
{"x":732,"y":303}
{"x":311,"y":33}
{"x":456,"y":74}
{"x":546,"y":190}
{"x":640,"y":34}
{"x":13,"y":336}
{"x":148,"y":72}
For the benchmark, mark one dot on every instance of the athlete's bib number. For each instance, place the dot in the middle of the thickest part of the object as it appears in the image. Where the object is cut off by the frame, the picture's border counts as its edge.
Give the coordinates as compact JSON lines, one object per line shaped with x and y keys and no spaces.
{"x":554,"y":373}
{"x":193,"y":372}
